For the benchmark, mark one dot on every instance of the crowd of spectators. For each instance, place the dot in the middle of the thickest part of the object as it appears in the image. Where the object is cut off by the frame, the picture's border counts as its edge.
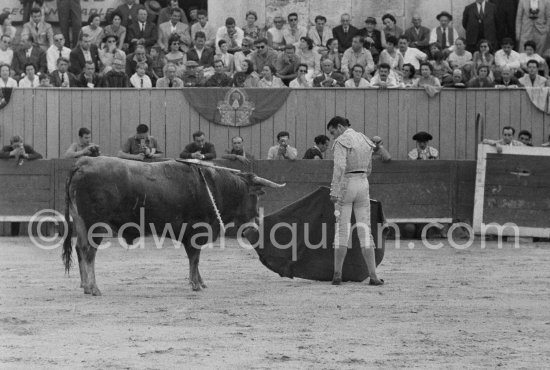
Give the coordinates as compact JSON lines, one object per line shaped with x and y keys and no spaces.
{"x":146,"y":46}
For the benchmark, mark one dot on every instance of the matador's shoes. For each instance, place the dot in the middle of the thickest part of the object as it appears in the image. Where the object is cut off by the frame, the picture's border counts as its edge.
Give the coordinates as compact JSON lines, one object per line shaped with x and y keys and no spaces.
{"x":337,"y":279}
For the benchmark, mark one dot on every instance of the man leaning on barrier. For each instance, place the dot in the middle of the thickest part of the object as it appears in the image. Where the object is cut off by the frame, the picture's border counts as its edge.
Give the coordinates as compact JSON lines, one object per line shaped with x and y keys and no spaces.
{"x":350,"y":190}
{"x":84,"y":147}
{"x":18,"y":150}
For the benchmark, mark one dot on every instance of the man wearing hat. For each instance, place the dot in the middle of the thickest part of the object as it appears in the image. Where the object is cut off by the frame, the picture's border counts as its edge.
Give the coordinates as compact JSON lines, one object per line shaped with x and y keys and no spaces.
{"x":374,"y":39}
{"x":192,"y":77}
{"x":153,"y":9}
{"x":422,"y":150}
{"x":444,"y":34}
{"x":174,"y":27}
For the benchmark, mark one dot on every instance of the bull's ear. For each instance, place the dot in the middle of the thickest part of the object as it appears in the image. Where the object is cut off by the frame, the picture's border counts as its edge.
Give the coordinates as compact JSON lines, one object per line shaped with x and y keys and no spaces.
{"x":257,"y":190}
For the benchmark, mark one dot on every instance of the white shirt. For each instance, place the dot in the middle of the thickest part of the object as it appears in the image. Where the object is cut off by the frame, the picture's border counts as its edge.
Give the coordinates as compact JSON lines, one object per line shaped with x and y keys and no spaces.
{"x":199,"y":52}
{"x":363,"y":84}
{"x":295,"y":84}
{"x":87,"y":55}
{"x":25,"y":83}
{"x":52,"y":54}
{"x":135,"y":80}
{"x":414,"y":57}
{"x":223,"y":35}
{"x":208,"y":30}
{"x":512,"y":61}
{"x":28,"y":52}
{"x":481,"y":7}
{"x":11,"y":83}
{"x":291,"y":38}
{"x":527,"y":82}
{"x":391,"y":82}
{"x":6,"y":57}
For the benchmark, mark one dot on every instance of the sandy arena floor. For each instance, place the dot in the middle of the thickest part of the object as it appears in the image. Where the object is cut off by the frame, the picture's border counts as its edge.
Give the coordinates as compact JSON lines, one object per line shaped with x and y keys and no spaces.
{"x":440,"y":309}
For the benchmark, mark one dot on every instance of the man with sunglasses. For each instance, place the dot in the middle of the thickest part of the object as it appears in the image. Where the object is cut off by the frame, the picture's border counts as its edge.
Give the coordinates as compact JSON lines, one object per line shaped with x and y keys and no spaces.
{"x":275,"y":35}
{"x":301,"y":80}
{"x":56,"y":51}
{"x":293,"y":32}
{"x":6,"y":53}
{"x":263,"y":56}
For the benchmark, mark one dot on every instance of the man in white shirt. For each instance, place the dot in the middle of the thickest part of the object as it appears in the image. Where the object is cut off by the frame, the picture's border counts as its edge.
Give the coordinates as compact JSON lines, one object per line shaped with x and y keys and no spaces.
{"x":6,"y":53}
{"x":321,"y":33}
{"x":444,"y":35}
{"x":56,"y":51}
{"x":232,"y":34}
{"x":383,"y":79}
{"x":506,"y":57}
{"x":140,"y":80}
{"x":204,"y":26}
{"x":532,"y":78}
{"x":357,"y":54}
{"x":410,"y":55}
{"x":293,"y":32}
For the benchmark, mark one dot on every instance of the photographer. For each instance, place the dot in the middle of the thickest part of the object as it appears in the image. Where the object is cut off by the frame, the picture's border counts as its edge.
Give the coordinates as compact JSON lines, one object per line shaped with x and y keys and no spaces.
{"x":84,"y":147}
{"x":282,"y":151}
{"x":140,"y":146}
{"x":18,"y":150}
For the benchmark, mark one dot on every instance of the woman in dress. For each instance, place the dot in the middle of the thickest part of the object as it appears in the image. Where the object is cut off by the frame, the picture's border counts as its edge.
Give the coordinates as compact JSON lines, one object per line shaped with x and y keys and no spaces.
{"x":483,"y":57}
{"x":93,"y":30}
{"x":461,"y":58}
{"x":115,"y":28}
{"x":390,"y":26}
{"x":409,"y":76}
{"x":426,"y":77}
{"x":269,"y":79}
{"x":246,"y":78}
{"x":391,"y":56}
{"x":175,"y":55}
{"x":309,"y":57}
{"x":250,"y":29}
{"x":357,"y":81}
{"x":109,"y":52}
{"x":482,"y":80}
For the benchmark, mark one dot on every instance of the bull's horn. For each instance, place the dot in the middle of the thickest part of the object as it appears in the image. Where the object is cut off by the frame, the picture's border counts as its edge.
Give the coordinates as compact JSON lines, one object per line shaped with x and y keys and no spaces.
{"x":265,"y":182}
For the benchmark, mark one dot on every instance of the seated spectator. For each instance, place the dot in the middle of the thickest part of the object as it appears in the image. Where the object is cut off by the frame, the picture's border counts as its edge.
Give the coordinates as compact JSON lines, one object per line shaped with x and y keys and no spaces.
{"x":141,"y":146}
{"x":228,"y":59}
{"x":418,"y":35}
{"x":200,"y":53}
{"x":109,"y":52}
{"x":309,"y":57}
{"x":141,"y":32}
{"x":116,"y":28}
{"x":247,"y":78}
{"x":329,"y":78}
{"x":525,"y":137}
{"x":175,"y":56}
{"x":193,"y":14}
{"x":128,"y":11}
{"x":357,"y":54}
{"x":275,"y":35}
{"x":423,"y":151}
{"x":333,"y":53}
{"x":237,"y":152}
{"x":460,"y":57}
{"x":19,"y":150}
{"x":199,"y":148}
{"x":269,"y":79}
{"x":84,"y":147}
{"x":6,"y":28}
{"x":31,"y":79}
{"x":426,"y":77}
{"x":85,"y":51}
{"x":392,"y":57}
{"x":262,"y":56}
{"x":507,"y":79}
{"x":166,"y":13}
{"x":409,"y":76}
{"x":220,"y":78}
{"x":169,"y":79}
{"x":88,"y":77}
{"x":532,"y":78}
{"x":192,"y":77}
{"x":344,"y":33}
{"x":204,"y":26}
{"x":445,"y":35}
{"x":140,"y":80}
{"x":379,"y":152}
{"x":294,"y":32}
{"x":483,"y":57}
{"x":287,"y":64}
{"x":171,"y":28}
{"x":357,"y":80}
{"x":250,"y":29}
{"x":56,"y":51}
{"x":241,"y":55}
{"x":508,"y":133}
{"x":482,"y":80}
{"x":93,"y":29}
{"x":28,"y":54}
{"x":457,"y":81}
{"x":321,"y":146}
{"x":5,"y":79}
{"x":433,"y":49}
{"x":383,"y":79}
{"x":138,"y":56}
{"x":321,"y":33}
{"x":282,"y":150}
{"x":6,"y":52}
{"x":44,"y":80}
{"x":374,"y":40}
{"x":301,"y":80}
{"x":529,"y":54}
{"x":157,"y":63}
{"x":506,"y":57}
{"x":117,"y":76}
{"x":390,"y":26}
{"x":232,"y":34}
{"x":411,"y":55}
{"x":441,"y":68}
{"x":40,"y":30}
{"x":61,"y":77}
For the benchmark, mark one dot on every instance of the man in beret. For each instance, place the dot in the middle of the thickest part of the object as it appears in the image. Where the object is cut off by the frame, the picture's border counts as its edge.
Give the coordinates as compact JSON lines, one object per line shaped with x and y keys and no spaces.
{"x":445,"y":35}
{"x":422,"y":150}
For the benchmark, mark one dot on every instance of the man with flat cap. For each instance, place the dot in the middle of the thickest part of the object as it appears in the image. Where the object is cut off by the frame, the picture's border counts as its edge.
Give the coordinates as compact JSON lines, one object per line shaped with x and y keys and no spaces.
{"x":445,"y":35}
{"x":373,"y":38}
{"x":423,"y":151}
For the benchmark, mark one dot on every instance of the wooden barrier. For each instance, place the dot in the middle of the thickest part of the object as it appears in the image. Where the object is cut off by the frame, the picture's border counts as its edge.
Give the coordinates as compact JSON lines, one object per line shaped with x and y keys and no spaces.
{"x":49,"y":119}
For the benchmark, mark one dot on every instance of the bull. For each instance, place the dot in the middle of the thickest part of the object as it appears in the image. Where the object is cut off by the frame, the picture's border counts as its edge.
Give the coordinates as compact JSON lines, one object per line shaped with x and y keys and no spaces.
{"x":114,"y":192}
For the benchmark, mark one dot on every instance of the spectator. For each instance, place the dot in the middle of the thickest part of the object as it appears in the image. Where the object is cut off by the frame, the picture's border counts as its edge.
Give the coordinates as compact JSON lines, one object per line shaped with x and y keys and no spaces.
{"x":199,"y":52}
{"x":41,"y":32}
{"x":506,"y":18}
{"x":228,"y":59}
{"x":529,"y":54}
{"x":88,"y":77}
{"x":193,"y":15}
{"x":418,"y":35}
{"x":426,"y":77}
{"x":507,"y":79}
{"x":434,"y":48}
{"x":374,"y":40}
{"x":525,"y":137}
{"x":532,"y":78}
{"x":44,"y":80}
{"x":220,"y":78}
{"x":250,"y":29}
{"x":301,"y":80}
{"x":321,"y":146}
{"x":116,"y":28}
{"x":5,"y":79}
{"x":409,"y":76}
{"x":169,"y":79}
{"x":204,"y":26}
{"x":333,"y":53}
{"x":532,"y":22}
{"x":379,"y":152}
{"x":479,"y":21}
{"x":423,"y":151}
{"x":174,"y":27}
{"x":84,"y":52}
{"x":166,"y":13}
{"x":157,"y":63}
{"x":282,"y":150}
{"x":482,"y":80}
{"x":93,"y":29}
{"x":84,"y":146}
{"x":199,"y":148}
{"x":237,"y":152}
{"x":232,"y":34}
{"x":31,"y":79}
{"x":457,"y":80}
{"x":174,"y":55}
{"x":56,"y":51}
{"x":293,"y":32}
{"x":506,"y":57}
{"x":263,"y":55}
{"x":309,"y":57}
{"x":269,"y":79}
{"x":483,"y":57}
{"x":287,"y":64}
{"x":6,"y":52}
{"x":141,"y":32}
{"x":329,"y":78}
{"x":19,"y":150}
{"x":140,"y":80}
{"x":248,"y":77}
{"x":460,"y":57}
{"x":275,"y":34}
{"x":129,"y":12}
{"x":141,"y":146}
{"x":153,"y":9}
{"x":357,"y":80}
{"x":61,"y":77}
{"x":508,"y":140}
{"x":357,"y":54}
{"x":383,"y":79}
{"x":321,"y":33}
{"x":6,"y":28}
{"x":391,"y":56}
{"x":110,"y":52}
{"x":390,"y":26}
{"x":411,"y":55}
{"x":116,"y":77}
{"x":139,"y":56}
{"x":28,"y":54}
{"x":441,"y":68}
{"x":444,"y":34}
{"x":192,"y":77}
{"x":344,"y":33}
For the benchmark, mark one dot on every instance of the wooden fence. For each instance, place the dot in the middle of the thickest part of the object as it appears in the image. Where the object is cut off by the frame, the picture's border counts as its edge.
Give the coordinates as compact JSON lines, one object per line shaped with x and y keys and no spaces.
{"x":49,"y":119}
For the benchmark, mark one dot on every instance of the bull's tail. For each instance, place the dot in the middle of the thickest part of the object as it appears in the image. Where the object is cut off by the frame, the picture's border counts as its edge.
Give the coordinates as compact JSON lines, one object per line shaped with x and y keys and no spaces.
{"x":67,"y":243}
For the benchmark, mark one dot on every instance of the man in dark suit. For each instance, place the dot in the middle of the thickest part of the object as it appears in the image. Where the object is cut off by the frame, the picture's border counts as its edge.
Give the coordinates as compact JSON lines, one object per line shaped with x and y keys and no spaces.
{"x":206,"y":58}
{"x":506,"y":18}
{"x":29,"y":53}
{"x":61,"y":77}
{"x":85,"y":51}
{"x":139,"y":56}
{"x":129,"y":12}
{"x":479,"y":21}
{"x":141,"y":32}
{"x":329,"y":78}
{"x":344,"y":33}
{"x":418,"y":35}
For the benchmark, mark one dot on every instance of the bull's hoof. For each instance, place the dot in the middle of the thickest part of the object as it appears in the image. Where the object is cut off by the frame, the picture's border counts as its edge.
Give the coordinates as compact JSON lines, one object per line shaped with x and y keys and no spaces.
{"x":87,"y":290}
{"x":96,"y":292}
{"x":203,"y":285}
{"x":196,"y":286}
